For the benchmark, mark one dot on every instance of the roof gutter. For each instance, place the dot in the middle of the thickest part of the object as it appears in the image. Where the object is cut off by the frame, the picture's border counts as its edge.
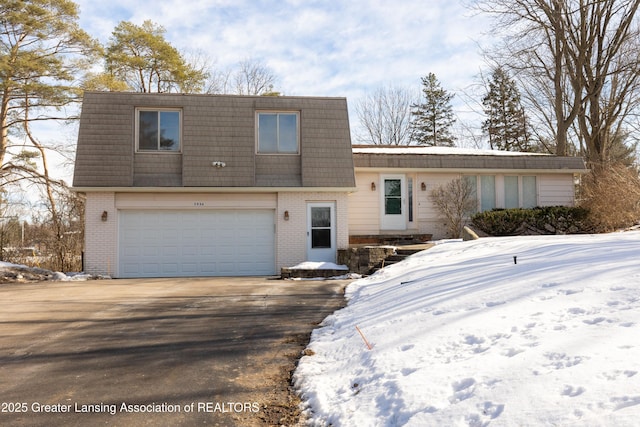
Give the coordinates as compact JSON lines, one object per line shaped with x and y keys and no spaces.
{"x":244,"y":190}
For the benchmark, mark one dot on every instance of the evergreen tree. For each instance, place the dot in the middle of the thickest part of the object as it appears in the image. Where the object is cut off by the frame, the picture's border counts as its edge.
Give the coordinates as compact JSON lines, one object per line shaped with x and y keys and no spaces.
{"x":506,"y":123}
{"x":433,"y":119}
{"x":141,"y":58}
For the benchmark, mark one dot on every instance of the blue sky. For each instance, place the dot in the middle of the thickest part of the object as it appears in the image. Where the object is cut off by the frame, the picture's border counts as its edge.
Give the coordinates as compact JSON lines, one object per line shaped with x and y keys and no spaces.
{"x":318,"y":48}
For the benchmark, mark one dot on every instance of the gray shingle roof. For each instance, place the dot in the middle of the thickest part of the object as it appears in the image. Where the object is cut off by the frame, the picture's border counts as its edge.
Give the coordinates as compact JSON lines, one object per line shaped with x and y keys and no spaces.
{"x":460,"y":159}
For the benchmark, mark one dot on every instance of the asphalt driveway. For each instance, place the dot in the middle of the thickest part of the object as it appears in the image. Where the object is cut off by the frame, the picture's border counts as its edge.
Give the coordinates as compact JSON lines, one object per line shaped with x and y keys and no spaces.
{"x":215,"y":351}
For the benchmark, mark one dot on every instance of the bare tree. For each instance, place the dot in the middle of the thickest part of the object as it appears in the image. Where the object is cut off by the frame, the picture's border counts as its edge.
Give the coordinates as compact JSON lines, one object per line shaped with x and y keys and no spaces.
{"x":250,"y":77}
{"x":455,"y":201}
{"x":253,"y":78}
{"x":385,"y":116}
{"x":578,"y":63}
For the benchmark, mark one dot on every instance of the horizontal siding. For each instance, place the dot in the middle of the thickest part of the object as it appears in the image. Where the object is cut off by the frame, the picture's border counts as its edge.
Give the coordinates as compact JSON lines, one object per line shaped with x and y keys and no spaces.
{"x":195,"y":201}
{"x":556,"y":190}
{"x":428,"y":218}
{"x":364,"y":205}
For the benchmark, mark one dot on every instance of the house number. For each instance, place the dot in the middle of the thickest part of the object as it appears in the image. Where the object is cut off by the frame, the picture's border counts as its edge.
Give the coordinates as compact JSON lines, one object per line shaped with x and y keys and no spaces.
{"x":198,"y":203}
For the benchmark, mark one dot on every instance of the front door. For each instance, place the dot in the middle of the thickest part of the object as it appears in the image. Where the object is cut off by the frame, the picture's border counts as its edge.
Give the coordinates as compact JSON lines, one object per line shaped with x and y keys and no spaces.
{"x":393,"y":216}
{"x":321,"y":232}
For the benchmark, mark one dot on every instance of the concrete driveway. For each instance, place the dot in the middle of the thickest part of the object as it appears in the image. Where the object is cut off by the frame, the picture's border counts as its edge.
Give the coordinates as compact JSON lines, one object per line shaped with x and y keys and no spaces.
{"x":214,"y":351}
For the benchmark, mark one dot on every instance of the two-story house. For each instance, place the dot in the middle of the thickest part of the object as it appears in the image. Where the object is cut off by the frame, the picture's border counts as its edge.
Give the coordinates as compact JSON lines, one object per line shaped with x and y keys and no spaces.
{"x":199,"y":185}
{"x":214,"y":185}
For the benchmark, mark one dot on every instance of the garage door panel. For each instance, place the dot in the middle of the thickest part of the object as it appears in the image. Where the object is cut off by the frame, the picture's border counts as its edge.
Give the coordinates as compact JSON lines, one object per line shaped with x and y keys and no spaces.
{"x":196,"y":243}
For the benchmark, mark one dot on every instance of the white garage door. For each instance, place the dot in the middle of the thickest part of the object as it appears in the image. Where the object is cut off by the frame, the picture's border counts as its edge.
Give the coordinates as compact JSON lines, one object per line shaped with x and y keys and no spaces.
{"x":196,"y":243}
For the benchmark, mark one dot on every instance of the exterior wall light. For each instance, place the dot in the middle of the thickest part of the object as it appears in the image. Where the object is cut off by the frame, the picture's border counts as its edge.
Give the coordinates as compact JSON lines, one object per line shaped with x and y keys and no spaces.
{"x":286,"y":215}
{"x":423,"y":186}
{"x":218,"y":164}
{"x":104,"y":216}
{"x":373,"y":186}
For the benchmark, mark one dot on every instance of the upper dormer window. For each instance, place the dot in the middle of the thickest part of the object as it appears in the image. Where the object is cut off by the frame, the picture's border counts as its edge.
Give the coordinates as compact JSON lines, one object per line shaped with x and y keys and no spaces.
{"x":158,"y":130}
{"x":278,"y":132}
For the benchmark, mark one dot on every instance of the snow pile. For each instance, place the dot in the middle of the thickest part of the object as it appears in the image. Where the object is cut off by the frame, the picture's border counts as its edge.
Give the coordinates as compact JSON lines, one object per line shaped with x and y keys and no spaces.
{"x":463,"y":336}
{"x":313,"y":265}
{"x":21,"y":273}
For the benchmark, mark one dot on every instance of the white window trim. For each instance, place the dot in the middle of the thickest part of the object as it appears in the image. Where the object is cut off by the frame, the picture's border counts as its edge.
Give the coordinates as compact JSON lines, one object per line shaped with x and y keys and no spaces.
{"x":137,"y":130}
{"x":257,"y":125}
{"x":499,"y":190}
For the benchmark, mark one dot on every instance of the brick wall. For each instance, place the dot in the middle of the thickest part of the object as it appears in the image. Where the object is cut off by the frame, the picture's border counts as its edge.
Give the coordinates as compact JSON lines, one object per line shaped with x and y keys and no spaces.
{"x":101,"y":236}
{"x":291,"y":238}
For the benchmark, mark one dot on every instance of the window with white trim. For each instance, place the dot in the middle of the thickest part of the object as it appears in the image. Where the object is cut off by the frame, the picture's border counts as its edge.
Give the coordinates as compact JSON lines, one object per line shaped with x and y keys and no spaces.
{"x":519,"y":191}
{"x":487,"y":192}
{"x":158,"y":130}
{"x":529,"y":192}
{"x":278,"y":132}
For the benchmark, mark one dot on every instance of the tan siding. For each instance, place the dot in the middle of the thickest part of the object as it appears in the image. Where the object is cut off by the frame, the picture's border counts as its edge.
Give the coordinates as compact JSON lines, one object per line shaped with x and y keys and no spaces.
{"x":429,"y":220}
{"x":364,"y":205}
{"x":556,"y":190}
{"x":195,"y":201}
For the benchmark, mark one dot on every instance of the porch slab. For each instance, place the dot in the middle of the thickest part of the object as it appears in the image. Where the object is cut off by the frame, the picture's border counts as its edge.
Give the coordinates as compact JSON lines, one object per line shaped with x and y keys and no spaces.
{"x":299,"y":273}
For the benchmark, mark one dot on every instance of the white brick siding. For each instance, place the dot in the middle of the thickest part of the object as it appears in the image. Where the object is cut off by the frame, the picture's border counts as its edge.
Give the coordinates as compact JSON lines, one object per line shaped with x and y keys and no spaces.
{"x":101,"y":241}
{"x":291,"y":238}
{"x":101,"y":237}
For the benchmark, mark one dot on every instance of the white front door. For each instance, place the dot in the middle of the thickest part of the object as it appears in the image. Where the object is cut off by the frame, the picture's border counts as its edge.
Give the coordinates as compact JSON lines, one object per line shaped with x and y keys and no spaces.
{"x":321,"y":232}
{"x":393,"y":215}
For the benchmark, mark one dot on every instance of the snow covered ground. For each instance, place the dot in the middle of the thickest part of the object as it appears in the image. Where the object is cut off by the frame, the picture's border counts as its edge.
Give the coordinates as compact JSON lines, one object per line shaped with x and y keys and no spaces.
{"x":21,"y":273}
{"x":463,"y":336}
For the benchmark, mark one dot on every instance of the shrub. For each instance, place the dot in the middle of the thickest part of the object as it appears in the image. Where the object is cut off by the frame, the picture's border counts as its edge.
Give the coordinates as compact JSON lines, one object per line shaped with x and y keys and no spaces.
{"x":611,"y":193}
{"x":455,"y":201}
{"x":541,"y":220}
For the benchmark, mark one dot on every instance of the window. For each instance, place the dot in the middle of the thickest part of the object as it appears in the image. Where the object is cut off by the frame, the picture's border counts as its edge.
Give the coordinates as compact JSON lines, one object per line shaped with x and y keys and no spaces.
{"x":487,"y":192}
{"x":158,"y":130}
{"x":320,"y":227}
{"x":529,"y":192}
{"x":393,"y":197}
{"x":511,"y":193}
{"x":278,"y":133}
{"x":519,"y":191}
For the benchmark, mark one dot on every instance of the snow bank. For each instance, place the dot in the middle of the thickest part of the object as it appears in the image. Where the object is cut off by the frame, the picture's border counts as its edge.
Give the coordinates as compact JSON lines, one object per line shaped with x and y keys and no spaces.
{"x":462,"y":336}
{"x":312,"y":265}
{"x":22,"y":272}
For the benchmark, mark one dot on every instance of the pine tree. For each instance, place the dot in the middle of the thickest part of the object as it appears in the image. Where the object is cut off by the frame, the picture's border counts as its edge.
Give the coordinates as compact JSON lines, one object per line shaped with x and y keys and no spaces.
{"x":433,"y":119}
{"x":506,"y":123}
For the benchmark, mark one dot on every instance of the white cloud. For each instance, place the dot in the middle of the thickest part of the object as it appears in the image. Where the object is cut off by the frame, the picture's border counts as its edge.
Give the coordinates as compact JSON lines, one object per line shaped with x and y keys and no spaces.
{"x":338,"y":48}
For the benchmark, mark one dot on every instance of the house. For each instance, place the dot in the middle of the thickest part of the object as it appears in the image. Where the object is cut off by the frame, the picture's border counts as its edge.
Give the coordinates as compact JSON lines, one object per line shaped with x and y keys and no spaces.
{"x":213,"y":185}
{"x":202,"y":185}
{"x":394,"y":184}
